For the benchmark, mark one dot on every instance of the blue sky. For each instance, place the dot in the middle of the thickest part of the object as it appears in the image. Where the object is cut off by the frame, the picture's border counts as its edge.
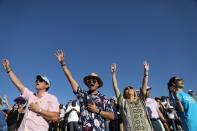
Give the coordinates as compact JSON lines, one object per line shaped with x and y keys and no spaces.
{"x":93,"y":34}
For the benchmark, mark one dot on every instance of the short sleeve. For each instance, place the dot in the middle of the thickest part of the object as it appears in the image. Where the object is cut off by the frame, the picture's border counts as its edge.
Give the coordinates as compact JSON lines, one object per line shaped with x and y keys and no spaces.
{"x":108,"y":106}
{"x":27,"y":94}
{"x":53,"y":104}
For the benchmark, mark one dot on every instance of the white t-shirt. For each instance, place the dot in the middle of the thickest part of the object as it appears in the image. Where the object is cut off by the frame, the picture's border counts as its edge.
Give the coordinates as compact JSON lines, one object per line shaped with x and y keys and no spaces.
{"x":73,"y":116}
{"x":152,"y":107}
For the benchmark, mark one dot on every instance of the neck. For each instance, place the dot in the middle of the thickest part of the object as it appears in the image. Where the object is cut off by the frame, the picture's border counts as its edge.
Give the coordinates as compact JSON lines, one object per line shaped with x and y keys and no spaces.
{"x":40,"y":93}
{"x":93,"y":92}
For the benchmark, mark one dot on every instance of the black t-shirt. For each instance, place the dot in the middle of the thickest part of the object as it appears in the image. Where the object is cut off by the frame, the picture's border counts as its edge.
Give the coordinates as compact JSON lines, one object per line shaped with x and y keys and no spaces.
{"x":12,"y":117}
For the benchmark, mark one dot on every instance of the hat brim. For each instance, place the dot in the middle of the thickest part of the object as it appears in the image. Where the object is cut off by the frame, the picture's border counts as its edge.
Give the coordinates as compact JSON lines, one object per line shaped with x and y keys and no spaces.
{"x":93,"y":77}
{"x":39,"y":77}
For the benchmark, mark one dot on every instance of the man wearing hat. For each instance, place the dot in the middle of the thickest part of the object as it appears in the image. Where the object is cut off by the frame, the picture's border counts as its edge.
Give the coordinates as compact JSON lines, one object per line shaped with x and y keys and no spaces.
{"x":185,"y":104}
{"x":41,"y":106}
{"x":94,"y":107}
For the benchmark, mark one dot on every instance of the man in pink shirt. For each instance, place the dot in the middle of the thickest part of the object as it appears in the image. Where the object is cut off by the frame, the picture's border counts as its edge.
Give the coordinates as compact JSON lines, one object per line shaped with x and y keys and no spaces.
{"x":41,"y":107}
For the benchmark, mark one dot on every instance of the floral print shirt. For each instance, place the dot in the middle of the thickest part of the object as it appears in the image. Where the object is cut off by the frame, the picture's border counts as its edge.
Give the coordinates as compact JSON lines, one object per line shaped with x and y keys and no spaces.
{"x":88,"y":120}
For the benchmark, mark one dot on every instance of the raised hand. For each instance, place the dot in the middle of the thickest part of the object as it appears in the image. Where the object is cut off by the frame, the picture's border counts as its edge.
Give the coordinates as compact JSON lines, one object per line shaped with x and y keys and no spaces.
{"x":146,"y":66}
{"x":113,"y":68}
{"x":6,"y":64}
{"x":60,"y":56}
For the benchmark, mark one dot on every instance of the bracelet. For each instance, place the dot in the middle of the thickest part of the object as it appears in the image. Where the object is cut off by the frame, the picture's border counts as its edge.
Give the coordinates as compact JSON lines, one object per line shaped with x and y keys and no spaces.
{"x":63,"y":64}
{"x":8,"y":70}
{"x":99,"y":112}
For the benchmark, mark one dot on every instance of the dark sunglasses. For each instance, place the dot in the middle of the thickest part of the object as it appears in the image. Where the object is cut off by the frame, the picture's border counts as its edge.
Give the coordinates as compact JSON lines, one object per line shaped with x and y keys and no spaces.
{"x":91,"y":81}
{"x":40,"y":80}
{"x":128,"y":88}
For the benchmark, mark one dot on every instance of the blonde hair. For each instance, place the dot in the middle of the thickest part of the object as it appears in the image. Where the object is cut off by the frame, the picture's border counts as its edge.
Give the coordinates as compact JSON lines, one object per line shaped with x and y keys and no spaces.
{"x":135,"y":93}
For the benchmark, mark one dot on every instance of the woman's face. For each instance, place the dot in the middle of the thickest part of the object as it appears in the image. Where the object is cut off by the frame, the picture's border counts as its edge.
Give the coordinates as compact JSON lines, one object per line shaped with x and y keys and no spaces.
{"x":128,"y":91}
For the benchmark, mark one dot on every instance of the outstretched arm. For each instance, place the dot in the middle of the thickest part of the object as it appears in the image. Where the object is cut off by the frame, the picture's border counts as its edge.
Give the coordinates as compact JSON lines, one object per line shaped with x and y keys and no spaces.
{"x":15,"y":80}
{"x":60,"y":58}
{"x":7,"y":103}
{"x":114,"y":80}
{"x":145,"y":78}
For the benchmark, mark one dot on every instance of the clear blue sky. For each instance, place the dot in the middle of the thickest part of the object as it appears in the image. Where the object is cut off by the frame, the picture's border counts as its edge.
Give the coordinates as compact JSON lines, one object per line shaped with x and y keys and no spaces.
{"x":94,"y":34}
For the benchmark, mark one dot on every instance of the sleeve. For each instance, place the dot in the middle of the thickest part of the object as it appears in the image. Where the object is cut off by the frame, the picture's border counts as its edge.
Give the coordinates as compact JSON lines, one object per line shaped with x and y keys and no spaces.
{"x":53,"y":104}
{"x":68,"y":109}
{"x":78,"y":108}
{"x":120,"y":100}
{"x":107,"y":104}
{"x":27,"y":94}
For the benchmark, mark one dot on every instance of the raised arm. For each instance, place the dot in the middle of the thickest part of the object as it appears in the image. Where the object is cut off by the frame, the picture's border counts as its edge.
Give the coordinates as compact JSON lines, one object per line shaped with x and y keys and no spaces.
{"x":145,"y":78}
{"x":60,"y":58}
{"x":15,"y":80}
{"x":7,"y":103}
{"x":114,"y":80}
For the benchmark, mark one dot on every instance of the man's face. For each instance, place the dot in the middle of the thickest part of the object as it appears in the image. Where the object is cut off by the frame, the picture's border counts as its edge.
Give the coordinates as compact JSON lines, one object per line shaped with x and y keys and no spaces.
{"x":41,"y":84}
{"x":92,"y":84}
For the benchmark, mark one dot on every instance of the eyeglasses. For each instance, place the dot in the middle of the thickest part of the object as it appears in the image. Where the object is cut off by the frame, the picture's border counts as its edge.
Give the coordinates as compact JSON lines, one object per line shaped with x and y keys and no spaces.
{"x":40,"y":80}
{"x":91,"y":81}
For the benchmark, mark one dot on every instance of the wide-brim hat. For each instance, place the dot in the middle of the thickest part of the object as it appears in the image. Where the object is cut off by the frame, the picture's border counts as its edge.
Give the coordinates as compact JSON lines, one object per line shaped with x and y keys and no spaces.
{"x":93,"y":76}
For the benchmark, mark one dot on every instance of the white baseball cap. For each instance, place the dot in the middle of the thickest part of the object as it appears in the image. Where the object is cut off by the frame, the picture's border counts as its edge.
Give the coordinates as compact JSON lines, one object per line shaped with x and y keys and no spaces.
{"x":44,"y":78}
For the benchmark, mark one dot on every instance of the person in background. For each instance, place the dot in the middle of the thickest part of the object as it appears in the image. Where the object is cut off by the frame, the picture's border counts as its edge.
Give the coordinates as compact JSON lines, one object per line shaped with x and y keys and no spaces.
{"x":3,"y":124}
{"x":73,"y":111}
{"x":192,"y":94}
{"x":12,"y":115}
{"x":157,"y":118}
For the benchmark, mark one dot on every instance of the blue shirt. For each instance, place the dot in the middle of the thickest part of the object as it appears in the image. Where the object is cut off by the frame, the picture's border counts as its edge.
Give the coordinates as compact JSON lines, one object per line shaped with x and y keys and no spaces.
{"x":3,"y":124}
{"x":189,"y":116}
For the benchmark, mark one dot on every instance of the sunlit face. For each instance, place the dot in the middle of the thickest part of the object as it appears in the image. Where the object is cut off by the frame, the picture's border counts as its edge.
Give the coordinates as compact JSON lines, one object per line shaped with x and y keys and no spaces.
{"x":41,"y":84}
{"x":15,"y":106}
{"x":92,"y":84}
{"x":128,"y":92}
{"x":180,"y":83}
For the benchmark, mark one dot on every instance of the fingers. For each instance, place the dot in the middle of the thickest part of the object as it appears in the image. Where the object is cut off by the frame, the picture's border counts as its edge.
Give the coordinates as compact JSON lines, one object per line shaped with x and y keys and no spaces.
{"x":113,"y":67}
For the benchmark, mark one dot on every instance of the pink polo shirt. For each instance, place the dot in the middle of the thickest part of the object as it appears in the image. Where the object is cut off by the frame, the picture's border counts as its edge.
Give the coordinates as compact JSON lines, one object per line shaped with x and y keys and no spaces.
{"x":33,"y":121}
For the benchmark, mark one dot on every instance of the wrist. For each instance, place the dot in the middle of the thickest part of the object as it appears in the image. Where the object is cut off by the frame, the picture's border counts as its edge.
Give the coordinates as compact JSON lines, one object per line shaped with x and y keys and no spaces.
{"x":8,"y":69}
{"x":62,"y":63}
{"x":99,"y":111}
{"x":40,"y":111}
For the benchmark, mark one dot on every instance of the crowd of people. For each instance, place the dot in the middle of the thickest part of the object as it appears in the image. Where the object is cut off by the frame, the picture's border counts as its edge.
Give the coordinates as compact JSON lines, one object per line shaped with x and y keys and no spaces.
{"x":131,"y":110}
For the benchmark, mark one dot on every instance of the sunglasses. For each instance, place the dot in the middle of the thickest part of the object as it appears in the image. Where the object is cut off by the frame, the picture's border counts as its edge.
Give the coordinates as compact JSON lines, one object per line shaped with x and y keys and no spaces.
{"x":128,"y":88}
{"x":91,"y":81}
{"x":40,"y":80}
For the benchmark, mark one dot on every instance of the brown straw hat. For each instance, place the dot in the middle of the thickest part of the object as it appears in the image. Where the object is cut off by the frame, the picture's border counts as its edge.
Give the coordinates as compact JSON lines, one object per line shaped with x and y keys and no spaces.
{"x":93,"y":76}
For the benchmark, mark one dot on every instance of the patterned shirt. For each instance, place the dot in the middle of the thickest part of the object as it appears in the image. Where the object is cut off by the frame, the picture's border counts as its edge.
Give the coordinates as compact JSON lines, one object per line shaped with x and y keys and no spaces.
{"x":134,"y":115}
{"x":89,"y":120}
